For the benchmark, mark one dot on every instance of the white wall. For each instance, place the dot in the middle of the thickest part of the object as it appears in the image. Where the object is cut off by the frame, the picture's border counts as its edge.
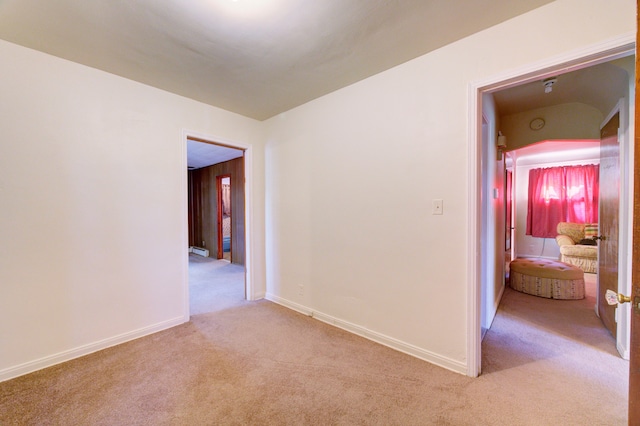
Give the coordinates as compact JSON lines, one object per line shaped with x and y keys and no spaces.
{"x":351,"y":177}
{"x":565,"y":121}
{"x":93,"y":206}
{"x":493,"y":230}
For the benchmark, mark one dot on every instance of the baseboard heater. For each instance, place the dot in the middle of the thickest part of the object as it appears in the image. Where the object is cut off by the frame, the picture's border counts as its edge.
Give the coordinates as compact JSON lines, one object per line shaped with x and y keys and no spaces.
{"x":200,"y":251}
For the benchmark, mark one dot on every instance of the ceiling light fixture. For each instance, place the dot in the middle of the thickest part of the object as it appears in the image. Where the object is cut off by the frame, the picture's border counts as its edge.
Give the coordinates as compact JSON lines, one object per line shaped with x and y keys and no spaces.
{"x":548,"y":84}
{"x":249,"y":9}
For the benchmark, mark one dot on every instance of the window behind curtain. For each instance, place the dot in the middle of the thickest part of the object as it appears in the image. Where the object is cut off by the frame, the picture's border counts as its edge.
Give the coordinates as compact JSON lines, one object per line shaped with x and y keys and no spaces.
{"x":561,"y":194}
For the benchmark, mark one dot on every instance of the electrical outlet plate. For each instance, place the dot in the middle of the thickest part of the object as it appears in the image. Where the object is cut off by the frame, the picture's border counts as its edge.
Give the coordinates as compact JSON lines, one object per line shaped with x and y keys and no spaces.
{"x":437,"y":206}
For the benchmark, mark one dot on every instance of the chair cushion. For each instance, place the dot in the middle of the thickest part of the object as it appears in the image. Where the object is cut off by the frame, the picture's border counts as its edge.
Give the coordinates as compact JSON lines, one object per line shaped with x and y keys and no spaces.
{"x":564,"y":240}
{"x":574,"y":230}
{"x":579,"y":250}
{"x":588,"y":242}
{"x":590,"y":230}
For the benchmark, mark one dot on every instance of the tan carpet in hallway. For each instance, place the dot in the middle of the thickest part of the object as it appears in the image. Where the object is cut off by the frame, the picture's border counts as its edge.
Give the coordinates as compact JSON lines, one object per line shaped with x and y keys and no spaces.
{"x":214,"y":285}
{"x":546,"y":362}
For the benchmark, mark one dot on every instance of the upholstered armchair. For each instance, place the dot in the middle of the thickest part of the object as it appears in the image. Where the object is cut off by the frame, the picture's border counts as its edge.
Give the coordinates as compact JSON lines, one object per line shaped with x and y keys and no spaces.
{"x":578,"y":246}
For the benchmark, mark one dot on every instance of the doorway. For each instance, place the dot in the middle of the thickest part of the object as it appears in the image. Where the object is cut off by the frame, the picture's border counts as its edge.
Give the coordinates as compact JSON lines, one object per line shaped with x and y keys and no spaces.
{"x":224,"y":217}
{"x":479,"y":216}
{"x":202,"y":152}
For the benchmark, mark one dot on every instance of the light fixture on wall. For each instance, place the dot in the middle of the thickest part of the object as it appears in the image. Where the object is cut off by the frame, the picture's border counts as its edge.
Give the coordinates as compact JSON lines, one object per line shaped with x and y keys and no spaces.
{"x":502,"y":141}
{"x":548,"y":84}
{"x":501,"y":144}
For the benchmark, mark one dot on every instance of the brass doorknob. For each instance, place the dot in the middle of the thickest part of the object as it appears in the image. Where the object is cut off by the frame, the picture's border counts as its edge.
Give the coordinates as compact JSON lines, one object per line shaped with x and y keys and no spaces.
{"x":614,"y":298}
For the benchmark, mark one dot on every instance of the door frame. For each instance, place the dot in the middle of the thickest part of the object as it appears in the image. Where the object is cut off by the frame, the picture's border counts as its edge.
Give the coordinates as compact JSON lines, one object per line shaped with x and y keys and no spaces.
{"x":625,"y":216}
{"x":617,"y":47}
{"x":251,"y":292}
{"x":605,"y":312}
{"x":219,"y":227}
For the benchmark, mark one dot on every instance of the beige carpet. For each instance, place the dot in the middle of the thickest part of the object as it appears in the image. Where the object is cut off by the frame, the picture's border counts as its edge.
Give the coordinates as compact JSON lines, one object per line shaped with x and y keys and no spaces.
{"x":214,"y":285}
{"x":546,"y":362}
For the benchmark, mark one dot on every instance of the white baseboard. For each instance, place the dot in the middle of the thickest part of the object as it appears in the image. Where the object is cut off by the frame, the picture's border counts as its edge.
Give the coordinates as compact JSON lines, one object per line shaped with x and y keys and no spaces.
{"x":433,"y":358}
{"x":289,"y":304}
{"x":48,"y":361}
{"x":495,"y":307}
{"x":259,"y":295}
{"x":624,"y":353}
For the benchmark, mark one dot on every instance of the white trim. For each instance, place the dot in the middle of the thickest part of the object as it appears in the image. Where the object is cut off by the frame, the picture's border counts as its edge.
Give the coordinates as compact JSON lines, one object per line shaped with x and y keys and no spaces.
{"x":624,"y":352}
{"x":580,"y":58}
{"x":497,"y":304}
{"x":625,"y":228}
{"x":625,"y":241}
{"x":249,"y":239}
{"x":474,"y":280}
{"x":487,"y":273}
{"x":289,"y":304}
{"x":398,"y":345}
{"x":250,"y":289}
{"x":618,"y":108}
{"x":556,"y":163}
{"x":608,"y":50}
{"x":257,"y":295}
{"x":49,"y":361}
{"x":184,"y":216}
{"x":483,"y":331}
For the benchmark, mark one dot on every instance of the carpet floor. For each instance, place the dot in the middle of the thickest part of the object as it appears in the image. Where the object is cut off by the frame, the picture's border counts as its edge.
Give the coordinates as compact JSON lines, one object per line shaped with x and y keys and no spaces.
{"x":545,"y":362}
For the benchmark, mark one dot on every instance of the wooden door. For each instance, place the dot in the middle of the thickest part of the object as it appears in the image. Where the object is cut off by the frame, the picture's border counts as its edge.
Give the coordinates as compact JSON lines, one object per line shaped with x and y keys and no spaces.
{"x":634,"y":356}
{"x":608,"y":220}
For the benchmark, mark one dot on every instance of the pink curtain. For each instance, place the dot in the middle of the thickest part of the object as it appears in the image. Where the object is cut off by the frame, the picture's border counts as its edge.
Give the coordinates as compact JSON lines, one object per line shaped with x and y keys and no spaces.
{"x":561,"y":194}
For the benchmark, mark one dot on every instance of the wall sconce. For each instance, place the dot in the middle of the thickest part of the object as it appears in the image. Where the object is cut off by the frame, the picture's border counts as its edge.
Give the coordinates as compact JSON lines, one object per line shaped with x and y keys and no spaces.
{"x":501,"y":144}
{"x":502,"y":141}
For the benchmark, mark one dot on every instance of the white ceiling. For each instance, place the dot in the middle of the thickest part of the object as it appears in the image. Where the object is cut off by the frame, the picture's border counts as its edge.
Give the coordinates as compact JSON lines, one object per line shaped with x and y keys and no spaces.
{"x":262,"y":57}
{"x":201,"y":154}
{"x":254,"y":57}
{"x":598,"y":86}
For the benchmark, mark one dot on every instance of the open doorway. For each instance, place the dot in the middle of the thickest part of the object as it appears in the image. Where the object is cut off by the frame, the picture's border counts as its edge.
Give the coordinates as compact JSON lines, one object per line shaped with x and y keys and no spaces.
{"x":216,"y":226}
{"x":487,"y":189}
{"x":224,"y":217}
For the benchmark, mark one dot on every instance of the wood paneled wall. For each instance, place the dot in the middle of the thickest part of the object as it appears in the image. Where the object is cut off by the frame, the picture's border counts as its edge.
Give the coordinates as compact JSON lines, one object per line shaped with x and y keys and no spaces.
{"x":203,"y":208}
